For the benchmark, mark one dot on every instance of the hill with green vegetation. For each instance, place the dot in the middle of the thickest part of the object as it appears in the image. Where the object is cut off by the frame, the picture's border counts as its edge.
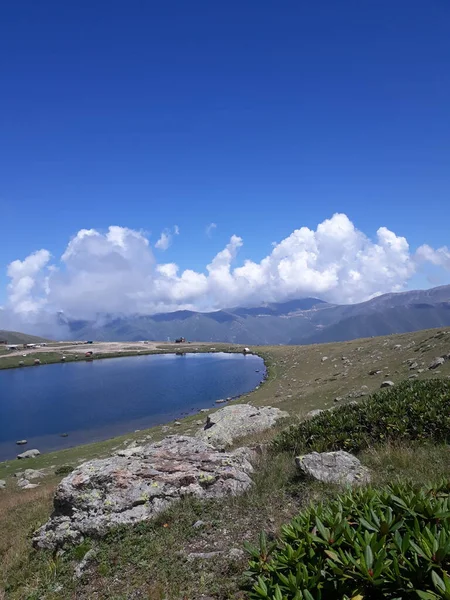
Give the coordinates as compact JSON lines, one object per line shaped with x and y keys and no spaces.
{"x":15,"y":337}
{"x":195,"y":549}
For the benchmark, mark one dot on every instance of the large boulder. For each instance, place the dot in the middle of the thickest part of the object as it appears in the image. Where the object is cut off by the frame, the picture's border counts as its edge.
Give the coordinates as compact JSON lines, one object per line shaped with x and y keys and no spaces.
{"x":236,"y":421}
{"x":101,"y":494}
{"x":437,"y":362}
{"x":29,"y":453}
{"x":333,"y":467}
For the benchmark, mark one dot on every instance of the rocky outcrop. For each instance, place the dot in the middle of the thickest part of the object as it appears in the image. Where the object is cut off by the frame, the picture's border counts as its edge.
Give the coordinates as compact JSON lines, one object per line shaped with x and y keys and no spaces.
{"x":101,"y":494}
{"x":2,"y":484}
{"x":234,"y":422}
{"x":333,"y":467}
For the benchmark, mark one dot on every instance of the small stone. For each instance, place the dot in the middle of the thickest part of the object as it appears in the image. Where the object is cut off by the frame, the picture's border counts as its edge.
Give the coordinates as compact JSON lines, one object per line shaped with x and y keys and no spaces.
{"x":413,"y":366}
{"x":413,"y":376}
{"x":203,"y":555}
{"x":79,"y":569}
{"x":386,"y":384}
{"x":374,"y":372}
{"x":21,"y":442}
{"x":324,"y":358}
{"x":177,"y":423}
{"x":236,"y":554}
{"x":198,"y":524}
{"x":2,"y":484}
{"x":64,"y":435}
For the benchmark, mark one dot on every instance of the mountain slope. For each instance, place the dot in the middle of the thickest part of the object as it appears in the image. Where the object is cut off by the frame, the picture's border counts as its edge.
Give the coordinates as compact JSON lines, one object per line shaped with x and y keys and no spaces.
{"x":15,"y":337}
{"x":303,"y":321}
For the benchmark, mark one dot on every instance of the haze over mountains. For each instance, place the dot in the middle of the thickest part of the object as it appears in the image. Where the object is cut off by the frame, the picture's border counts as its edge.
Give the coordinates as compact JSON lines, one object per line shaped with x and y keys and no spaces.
{"x":303,"y":321}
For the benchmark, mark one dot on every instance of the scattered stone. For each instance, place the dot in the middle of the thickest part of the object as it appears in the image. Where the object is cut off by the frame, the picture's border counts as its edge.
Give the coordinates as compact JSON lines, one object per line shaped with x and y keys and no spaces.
{"x":2,"y":484}
{"x":64,"y":435}
{"x":177,"y":423}
{"x":103,"y":493}
{"x":314,"y":413}
{"x":21,"y":442}
{"x":374,"y":372}
{"x":198,"y":524}
{"x":420,"y":370}
{"x":29,"y":454}
{"x":337,"y":399}
{"x":204,"y":555}
{"x":386,"y":384}
{"x":236,"y":554}
{"x":81,"y":567}
{"x":199,"y":422}
{"x":233,"y":422}
{"x":333,"y":467}
{"x":324,"y":358}
{"x":204,"y":410}
{"x":437,"y":362}
{"x":33,"y":474}
{"x":221,"y":401}
{"x":413,"y":366}
{"x":413,"y":376}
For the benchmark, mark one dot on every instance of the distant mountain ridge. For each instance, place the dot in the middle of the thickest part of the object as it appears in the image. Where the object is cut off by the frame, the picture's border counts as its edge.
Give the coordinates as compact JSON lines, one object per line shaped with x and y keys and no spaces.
{"x":302,"y":321}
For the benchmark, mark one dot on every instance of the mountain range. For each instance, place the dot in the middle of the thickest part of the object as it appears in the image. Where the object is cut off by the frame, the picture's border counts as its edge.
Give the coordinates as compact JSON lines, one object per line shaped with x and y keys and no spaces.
{"x":303,"y":321}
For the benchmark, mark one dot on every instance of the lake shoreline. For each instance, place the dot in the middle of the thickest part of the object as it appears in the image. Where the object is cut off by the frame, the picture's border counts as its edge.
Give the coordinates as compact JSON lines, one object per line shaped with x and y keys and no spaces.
{"x":182,"y":417}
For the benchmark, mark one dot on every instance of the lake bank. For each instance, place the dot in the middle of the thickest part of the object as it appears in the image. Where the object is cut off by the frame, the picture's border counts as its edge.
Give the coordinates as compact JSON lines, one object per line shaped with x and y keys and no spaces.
{"x":95,"y":401}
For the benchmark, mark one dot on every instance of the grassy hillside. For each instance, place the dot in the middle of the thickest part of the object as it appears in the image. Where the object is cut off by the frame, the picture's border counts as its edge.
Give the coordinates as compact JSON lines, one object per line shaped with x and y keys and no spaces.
{"x":150,"y":561}
{"x":15,"y":337}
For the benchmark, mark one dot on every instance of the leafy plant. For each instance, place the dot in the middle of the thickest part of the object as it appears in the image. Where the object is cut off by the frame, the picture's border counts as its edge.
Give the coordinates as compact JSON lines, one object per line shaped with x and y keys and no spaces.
{"x":366,"y":544}
{"x":412,"y":410}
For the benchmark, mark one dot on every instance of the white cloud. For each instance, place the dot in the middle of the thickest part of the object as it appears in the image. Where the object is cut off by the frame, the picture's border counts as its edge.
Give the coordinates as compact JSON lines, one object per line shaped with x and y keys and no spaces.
{"x":166,"y":238}
{"x":164,"y":241}
{"x":439,"y":257}
{"x":116,"y":273}
{"x":210,"y":228}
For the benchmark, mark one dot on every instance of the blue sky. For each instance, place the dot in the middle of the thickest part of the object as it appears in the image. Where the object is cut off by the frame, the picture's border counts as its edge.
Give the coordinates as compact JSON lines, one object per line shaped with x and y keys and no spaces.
{"x":261,"y":117}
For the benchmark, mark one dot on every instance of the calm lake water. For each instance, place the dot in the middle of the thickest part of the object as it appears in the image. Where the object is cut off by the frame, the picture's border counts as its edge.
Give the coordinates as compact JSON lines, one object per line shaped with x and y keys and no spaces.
{"x":100,"y":399}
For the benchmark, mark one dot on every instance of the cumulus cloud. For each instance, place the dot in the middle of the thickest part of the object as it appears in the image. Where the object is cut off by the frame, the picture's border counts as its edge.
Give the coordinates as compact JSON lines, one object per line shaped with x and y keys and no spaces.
{"x":115,"y":272}
{"x":210,"y":228}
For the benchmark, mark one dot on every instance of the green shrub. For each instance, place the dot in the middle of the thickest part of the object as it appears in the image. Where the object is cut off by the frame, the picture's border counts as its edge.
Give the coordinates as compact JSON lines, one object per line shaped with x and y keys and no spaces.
{"x":412,"y":410}
{"x":366,"y":544}
{"x":64,"y":470}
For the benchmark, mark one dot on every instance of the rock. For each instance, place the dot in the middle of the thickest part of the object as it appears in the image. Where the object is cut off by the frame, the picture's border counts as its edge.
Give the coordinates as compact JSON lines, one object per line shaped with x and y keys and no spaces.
{"x":198,"y":524}
{"x":413,"y":366}
{"x":177,"y":423}
{"x":81,"y":567}
{"x":386,"y":384}
{"x":236,"y":553}
{"x":26,"y":485}
{"x":420,"y":370}
{"x":21,"y":442}
{"x":221,"y":401}
{"x":63,"y":435}
{"x":32,"y":474}
{"x":314,"y":413}
{"x":103,"y":493}
{"x":127,"y":452}
{"x":413,"y":376}
{"x":233,"y":422}
{"x":374,"y":372}
{"x":333,"y":467}
{"x":203,"y":555}
{"x":324,"y":358}
{"x":29,"y":454}
{"x":437,"y":362}
{"x":2,"y":484}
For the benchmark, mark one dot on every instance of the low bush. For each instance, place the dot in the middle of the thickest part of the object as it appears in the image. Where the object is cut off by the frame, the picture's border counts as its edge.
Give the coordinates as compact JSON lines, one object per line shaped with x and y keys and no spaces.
{"x":366,"y":544}
{"x":412,"y":410}
{"x":64,"y":470}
